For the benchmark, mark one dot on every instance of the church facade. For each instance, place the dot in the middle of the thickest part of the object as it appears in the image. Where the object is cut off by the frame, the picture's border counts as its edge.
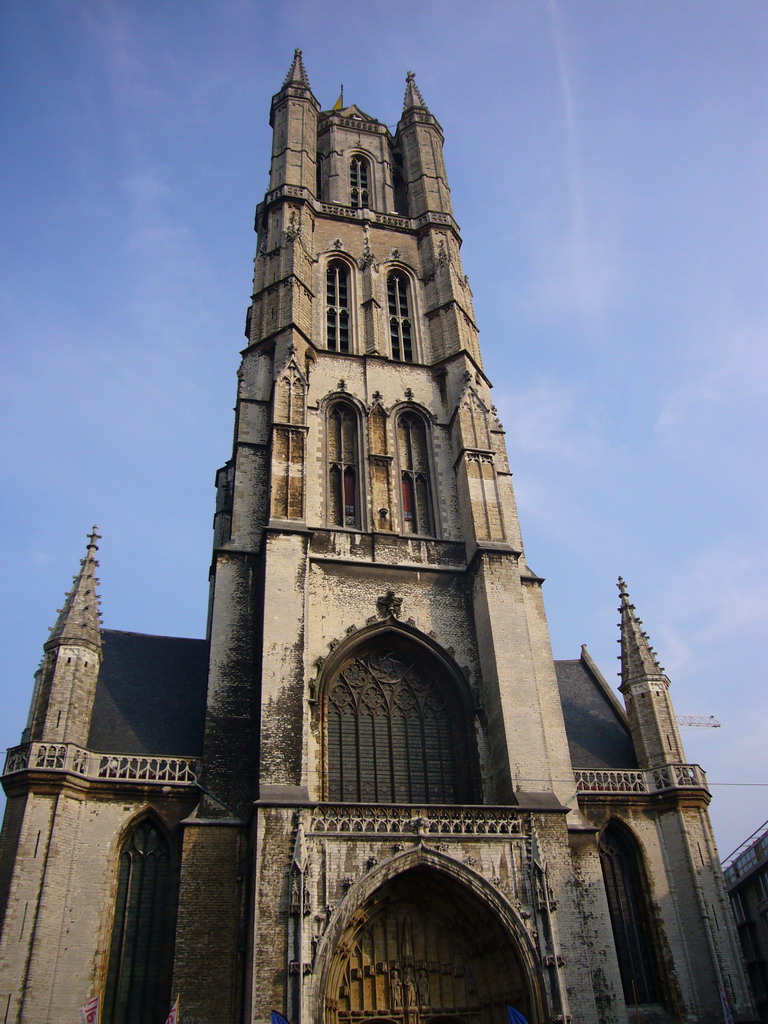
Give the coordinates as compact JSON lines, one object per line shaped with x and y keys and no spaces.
{"x":370,"y":794}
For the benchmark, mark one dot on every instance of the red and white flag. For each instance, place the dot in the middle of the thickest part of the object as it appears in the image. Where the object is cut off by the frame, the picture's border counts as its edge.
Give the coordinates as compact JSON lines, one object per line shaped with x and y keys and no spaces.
{"x":89,"y":1014}
{"x":173,"y":1016}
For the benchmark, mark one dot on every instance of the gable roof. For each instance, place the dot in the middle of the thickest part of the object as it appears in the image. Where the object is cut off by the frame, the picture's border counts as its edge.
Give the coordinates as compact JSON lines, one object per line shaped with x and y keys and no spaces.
{"x":596,"y":726}
{"x":150,"y":697}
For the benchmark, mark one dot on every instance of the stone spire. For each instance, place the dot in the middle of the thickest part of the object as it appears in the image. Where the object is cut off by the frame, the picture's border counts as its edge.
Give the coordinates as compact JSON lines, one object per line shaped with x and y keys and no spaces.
{"x":413,"y":97}
{"x":297,"y":74}
{"x":80,"y":619}
{"x":638,"y":658}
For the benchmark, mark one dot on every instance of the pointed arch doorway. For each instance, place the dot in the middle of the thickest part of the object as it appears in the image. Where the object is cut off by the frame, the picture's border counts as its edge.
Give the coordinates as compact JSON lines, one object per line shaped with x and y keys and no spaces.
{"x":425,"y":949}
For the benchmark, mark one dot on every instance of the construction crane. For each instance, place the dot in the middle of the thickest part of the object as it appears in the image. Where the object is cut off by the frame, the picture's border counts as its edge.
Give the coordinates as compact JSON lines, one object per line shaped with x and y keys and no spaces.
{"x":699,"y":721}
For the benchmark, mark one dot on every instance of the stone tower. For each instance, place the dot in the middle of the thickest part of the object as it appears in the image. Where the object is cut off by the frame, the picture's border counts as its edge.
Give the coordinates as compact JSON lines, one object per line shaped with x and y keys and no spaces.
{"x":371,"y":794}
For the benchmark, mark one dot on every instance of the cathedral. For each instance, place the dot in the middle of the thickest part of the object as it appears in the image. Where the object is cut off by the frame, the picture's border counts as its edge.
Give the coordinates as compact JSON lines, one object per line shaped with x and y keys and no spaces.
{"x":369,"y":795}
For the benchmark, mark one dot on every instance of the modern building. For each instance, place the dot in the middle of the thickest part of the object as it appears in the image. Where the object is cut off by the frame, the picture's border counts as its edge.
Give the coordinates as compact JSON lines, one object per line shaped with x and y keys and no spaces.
{"x":746,"y":878}
{"x":370,"y":794}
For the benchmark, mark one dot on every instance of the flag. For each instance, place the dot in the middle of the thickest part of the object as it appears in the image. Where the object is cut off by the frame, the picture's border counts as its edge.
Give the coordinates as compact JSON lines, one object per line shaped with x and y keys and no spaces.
{"x":514,"y":1016}
{"x":278,"y":1018}
{"x":173,"y":1016}
{"x":89,"y":1014}
{"x":339,"y":104}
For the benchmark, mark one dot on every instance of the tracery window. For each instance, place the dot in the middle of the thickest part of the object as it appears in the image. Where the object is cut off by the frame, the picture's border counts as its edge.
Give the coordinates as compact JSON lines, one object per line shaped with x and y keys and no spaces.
{"x":136,"y":984}
{"x":391,"y":733}
{"x":343,"y":467}
{"x":358,"y":182}
{"x":630,"y":921}
{"x":399,"y":317}
{"x":337,"y":306}
{"x":416,"y":499}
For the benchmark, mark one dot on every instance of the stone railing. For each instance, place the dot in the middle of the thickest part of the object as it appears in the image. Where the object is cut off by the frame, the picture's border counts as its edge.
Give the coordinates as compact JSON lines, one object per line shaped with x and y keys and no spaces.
{"x":66,"y":757}
{"x":385,"y":819}
{"x":657,"y":780}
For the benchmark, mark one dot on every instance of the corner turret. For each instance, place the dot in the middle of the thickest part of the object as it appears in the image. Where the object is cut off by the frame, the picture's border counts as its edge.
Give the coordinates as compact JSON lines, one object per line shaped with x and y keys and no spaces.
{"x":293,"y":118}
{"x":645,"y":688}
{"x":420,"y":139}
{"x":66,"y":680}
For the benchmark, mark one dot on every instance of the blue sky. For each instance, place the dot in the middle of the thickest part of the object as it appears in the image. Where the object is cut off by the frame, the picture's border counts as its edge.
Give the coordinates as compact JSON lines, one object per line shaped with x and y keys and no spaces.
{"x":608,"y":164}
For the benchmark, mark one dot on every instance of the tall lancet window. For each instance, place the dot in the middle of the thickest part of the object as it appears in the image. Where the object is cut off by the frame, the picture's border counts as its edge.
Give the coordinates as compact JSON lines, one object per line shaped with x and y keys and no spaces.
{"x":136,"y":987}
{"x":413,"y":453}
{"x":392,"y":733}
{"x":630,"y":920}
{"x":399,"y":317}
{"x":358,"y":182}
{"x":337,"y":306}
{"x":343,"y":467}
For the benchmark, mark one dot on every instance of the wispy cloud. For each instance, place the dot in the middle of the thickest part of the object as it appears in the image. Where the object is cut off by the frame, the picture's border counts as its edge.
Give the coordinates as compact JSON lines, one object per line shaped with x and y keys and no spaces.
{"x":550,"y":418}
{"x":735,"y":370}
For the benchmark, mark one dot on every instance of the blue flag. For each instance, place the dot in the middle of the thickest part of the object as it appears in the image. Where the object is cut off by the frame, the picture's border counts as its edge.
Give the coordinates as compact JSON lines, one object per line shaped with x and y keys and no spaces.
{"x":514,"y":1016}
{"x":278,"y":1018}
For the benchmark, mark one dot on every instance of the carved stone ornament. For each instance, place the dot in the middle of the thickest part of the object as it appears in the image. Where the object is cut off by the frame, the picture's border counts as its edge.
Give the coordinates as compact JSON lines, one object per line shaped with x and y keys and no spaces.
{"x":367,"y":259}
{"x":293,"y":229}
{"x":390,"y":604}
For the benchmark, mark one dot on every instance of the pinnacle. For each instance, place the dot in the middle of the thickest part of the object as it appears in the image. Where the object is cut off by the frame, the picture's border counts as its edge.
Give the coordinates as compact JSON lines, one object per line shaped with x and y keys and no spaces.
{"x":297,"y":74}
{"x":79,"y":618}
{"x":638,"y":658}
{"x":413,"y":97}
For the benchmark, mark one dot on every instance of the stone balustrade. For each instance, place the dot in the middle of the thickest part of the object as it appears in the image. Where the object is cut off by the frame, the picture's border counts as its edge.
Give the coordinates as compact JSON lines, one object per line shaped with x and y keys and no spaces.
{"x":657,"y":780}
{"x":67,"y":757}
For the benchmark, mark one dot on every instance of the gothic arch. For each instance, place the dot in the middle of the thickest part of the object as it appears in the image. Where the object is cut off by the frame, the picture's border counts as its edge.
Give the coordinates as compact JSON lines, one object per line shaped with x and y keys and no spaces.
{"x":137,"y":971}
{"x":398,"y":269}
{"x":344,"y":449}
{"x":635,"y":931}
{"x":397,"y":721}
{"x":423,"y":938}
{"x":362,"y":185}
{"x":415,"y":465}
{"x":338,"y":291}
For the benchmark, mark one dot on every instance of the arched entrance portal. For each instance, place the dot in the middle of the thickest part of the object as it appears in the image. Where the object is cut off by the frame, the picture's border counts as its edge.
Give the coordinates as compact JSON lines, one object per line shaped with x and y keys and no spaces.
{"x":424,"y":949}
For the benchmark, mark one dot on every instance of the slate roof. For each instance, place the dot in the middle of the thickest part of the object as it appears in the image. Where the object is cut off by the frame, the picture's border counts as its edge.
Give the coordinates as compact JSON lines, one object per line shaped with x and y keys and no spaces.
{"x":598,"y":735}
{"x":151,"y":693}
{"x":150,"y":697}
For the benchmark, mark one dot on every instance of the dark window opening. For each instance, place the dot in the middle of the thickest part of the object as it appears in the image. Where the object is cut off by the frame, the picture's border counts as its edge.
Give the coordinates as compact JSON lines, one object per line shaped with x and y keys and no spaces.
{"x":319,"y":178}
{"x":414,"y":474}
{"x":337,"y":307}
{"x":343,"y":475}
{"x":136,"y":984}
{"x":391,"y":733}
{"x":399,"y":317}
{"x":358,"y":182}
{"x":401,"y":197}
{"x":630,"y":920}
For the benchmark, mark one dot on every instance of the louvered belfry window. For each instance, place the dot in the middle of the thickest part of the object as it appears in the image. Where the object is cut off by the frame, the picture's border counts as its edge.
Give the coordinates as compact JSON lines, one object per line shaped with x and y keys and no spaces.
{"x":414,"y":474}
{"x":343,"y":470}
{"x":391,"y":733}
{"x":337,"y":307}
{"x":136,"y":986}
{"x":619,"y":858}
{"x":399,"y":317}
{"x":358,"y":182}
